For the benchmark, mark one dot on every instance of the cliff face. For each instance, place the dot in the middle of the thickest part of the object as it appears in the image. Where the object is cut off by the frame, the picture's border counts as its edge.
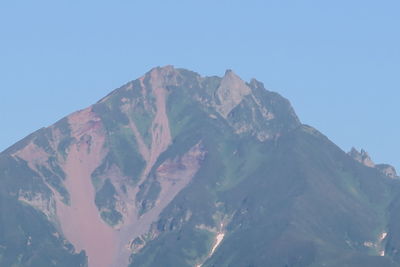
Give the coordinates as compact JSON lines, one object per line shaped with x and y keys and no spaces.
{"x":176,"y":169}
{"x":362,"y":157}
{"x":366,"y":160}
{"x":387,"y":169}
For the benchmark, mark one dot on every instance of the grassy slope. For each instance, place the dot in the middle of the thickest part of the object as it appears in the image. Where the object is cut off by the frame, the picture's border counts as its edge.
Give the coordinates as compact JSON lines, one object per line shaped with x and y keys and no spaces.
{"x":296,"y":201}
{"x":27,"y":238}
{"x":299,"y":201}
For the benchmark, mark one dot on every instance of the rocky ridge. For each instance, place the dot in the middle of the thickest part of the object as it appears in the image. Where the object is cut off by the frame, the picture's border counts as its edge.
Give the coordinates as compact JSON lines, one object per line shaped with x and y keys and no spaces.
{"x":364,"y":158}
{"x":130,"y":190}
{"x":177,"y":169}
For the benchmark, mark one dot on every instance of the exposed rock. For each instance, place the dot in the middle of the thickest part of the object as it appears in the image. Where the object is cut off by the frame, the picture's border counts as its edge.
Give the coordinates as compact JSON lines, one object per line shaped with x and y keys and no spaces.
{"x":175,"y":158}
{"x":362,"y":157}
{"x":261,"y":113}
{"x":173,"y":175}
{"x":230,"y":92}
{"x":41,"y":203}
{"x":365,"y":159}
{"x":387,"y":169}
{"x":95,"y":237}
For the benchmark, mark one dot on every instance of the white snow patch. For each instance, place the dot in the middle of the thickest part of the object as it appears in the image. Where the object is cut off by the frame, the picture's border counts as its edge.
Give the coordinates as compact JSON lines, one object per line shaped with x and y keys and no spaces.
{"x":218,"y":241}
{"x":382,"y":236}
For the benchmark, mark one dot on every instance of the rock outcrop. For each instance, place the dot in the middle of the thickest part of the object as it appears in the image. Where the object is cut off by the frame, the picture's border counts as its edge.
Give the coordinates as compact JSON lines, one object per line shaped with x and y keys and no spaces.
{"x":230,"y":92}
{"x":364,"y":158}
{"x":177,"y":169}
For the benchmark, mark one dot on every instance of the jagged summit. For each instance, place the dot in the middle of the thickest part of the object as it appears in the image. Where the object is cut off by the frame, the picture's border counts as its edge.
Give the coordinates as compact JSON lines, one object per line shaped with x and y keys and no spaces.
{"x":231,"y":92}
{"x":363,"y":157}
{"x":177,"y":169}
{"x":248,"y":107}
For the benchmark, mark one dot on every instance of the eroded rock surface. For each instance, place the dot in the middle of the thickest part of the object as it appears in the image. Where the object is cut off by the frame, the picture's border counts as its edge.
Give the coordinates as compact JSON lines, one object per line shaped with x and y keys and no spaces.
{"x":231,"y":92}
{"x":110,"y":170}
{"x":387,"y":169}
{"x":364,"y":158}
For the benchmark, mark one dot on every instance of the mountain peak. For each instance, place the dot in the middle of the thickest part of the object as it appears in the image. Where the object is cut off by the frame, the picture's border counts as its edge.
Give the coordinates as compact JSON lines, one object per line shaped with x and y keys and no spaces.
{"x":162,"y":75}
{"x":230,"y":72}
{"x":163,"y":69}
{"x":203,"y":164}
{"x":231,"y":75}
{"x":231,"y":92}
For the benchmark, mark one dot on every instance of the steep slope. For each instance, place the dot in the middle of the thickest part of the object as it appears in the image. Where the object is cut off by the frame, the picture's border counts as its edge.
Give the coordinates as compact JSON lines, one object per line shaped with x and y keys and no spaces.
{"x":176,"y":169}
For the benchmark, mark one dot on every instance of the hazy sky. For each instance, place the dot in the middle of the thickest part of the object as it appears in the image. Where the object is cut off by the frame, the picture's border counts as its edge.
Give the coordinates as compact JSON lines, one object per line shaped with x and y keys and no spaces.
{"x":338,"y":62}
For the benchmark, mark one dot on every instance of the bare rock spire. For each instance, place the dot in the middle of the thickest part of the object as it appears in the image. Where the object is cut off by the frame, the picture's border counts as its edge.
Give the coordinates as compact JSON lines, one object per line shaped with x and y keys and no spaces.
{"x":231,"y":92}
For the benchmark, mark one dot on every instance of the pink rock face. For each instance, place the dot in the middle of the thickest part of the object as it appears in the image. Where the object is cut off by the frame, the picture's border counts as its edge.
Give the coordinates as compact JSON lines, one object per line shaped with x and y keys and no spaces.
{"x":33,"y":154}
{"x":81,"y":222}
{"x":173,"y":176}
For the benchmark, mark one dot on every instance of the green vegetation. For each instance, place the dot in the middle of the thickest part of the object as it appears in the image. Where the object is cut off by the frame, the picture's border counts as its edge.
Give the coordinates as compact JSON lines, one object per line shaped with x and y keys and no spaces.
{"x":293,"y":200}
{"x":27,"y":238}
{"x":105,"y":200}
{"x":66,"y":140}
{"x":147,"y":195}
{"x":143,"y":121}
{"x":121,"y":141}
{"x":175,"y":249}
{"x":42,"y":140}
{"x":55,"y":182}
{"x":124,"y":153}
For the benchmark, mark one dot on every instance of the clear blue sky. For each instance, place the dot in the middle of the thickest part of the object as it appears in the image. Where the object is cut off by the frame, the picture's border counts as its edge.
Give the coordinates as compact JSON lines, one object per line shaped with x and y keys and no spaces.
{"x":338,"y":62}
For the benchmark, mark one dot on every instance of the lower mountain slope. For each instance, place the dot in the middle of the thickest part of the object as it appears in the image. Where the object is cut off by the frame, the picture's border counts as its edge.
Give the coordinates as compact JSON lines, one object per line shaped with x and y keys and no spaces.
{"x":307,"y":203}
{"x":176,"y":169}
{"x":27,"y":237}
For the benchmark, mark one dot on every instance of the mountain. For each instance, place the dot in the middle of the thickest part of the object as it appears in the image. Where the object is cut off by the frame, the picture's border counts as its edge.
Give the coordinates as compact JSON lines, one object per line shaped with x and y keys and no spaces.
{"x":176,"y":169}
